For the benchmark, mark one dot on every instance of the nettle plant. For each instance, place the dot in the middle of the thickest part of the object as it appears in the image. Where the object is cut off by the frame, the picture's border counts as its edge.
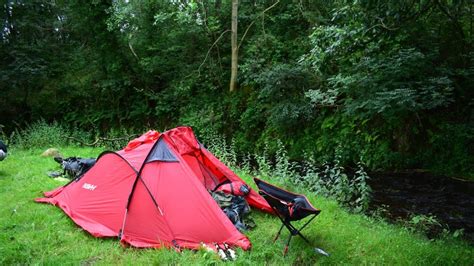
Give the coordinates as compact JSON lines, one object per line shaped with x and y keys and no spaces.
{"x":263,"y":162}
{"x":331,"y":180}
{"x":217,"y":144}
{"x":284,"y":169}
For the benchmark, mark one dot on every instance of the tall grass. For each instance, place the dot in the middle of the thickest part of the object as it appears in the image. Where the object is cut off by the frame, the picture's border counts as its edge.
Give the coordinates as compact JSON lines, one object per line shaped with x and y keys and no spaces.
{"x":41,"y":134}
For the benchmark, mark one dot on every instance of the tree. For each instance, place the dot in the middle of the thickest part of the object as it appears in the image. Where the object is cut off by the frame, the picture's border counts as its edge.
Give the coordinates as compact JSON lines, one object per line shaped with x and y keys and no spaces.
{"x":235,"y":48}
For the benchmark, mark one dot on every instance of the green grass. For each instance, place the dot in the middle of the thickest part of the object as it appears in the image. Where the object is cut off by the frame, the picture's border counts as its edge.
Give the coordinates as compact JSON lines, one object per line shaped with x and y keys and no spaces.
{"x":33,"y":233}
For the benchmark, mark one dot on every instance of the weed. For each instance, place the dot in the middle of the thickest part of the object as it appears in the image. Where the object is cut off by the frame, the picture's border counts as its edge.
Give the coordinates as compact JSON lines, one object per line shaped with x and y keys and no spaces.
{"x":245,"y":166}
{"x":363,"y":192}
{"x":284,"y":170}
{"x":423,"y":223}
{"x":263,"y":162}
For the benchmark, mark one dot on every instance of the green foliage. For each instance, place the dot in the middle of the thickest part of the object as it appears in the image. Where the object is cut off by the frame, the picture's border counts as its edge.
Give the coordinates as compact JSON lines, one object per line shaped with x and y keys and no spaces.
{"x":217,"y":144}
{"x":423,"y":223}
{"x":40,"y":135}
{"x":263,"y":162}
{"x":383,"y":82}
{"x":284,"y":170}
{"x":363,"y":191}
{"x":331,"y":180}
{"x":280,"y":102}
{"x":118,"y":139}
{"x":399,"y":84}
{"x":386,"y":65}
{"x":460,"y":140}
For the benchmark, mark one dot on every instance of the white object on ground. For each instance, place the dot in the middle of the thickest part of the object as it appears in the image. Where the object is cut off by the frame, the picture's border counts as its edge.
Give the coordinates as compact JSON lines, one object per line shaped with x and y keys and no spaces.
{"x":221,"y":252}
{"x":207,"y":248}
{"x":230,"y":251}
{"x":320,"y":251}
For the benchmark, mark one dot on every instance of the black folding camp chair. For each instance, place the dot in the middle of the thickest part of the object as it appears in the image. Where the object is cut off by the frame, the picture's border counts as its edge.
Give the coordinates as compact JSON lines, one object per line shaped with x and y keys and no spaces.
{"x":288,"y":207}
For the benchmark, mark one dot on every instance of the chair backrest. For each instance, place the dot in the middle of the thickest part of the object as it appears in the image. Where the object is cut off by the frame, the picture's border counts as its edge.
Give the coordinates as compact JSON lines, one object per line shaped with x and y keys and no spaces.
{"x":289,"y":205}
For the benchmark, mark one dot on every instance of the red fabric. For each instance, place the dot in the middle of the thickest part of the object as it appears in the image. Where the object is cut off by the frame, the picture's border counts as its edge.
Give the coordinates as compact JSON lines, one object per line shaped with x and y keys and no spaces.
{"x":96,"y":202}
{"x":137,"y":155}
{"x":182,"y":135}
{"x":150,"y":136}
{"x":188,"y":212}
{"x":169,"y":204}
{"x":232,"y":188}
{"x":253,"y":198}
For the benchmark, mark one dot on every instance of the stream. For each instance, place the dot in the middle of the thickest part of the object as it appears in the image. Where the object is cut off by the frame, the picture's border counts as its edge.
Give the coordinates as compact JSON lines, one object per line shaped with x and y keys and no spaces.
{"x":403,"y":194}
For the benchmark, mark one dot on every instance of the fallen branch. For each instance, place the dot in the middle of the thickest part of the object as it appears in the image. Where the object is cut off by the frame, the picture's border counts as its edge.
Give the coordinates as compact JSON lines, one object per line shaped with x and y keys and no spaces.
{"x":101,"y":139}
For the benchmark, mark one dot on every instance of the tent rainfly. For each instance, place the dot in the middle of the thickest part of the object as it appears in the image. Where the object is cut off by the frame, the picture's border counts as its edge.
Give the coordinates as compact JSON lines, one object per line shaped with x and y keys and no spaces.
{"x":154,"y":193}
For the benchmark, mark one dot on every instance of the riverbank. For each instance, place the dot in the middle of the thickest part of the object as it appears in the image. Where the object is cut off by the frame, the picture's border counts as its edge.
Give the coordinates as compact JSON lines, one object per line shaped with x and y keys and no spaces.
{"x":32,"y":233}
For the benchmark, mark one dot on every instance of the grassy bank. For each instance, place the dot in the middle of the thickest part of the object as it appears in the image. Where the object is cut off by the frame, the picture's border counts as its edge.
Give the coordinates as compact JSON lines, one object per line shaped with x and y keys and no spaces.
{"x":33,"y":233}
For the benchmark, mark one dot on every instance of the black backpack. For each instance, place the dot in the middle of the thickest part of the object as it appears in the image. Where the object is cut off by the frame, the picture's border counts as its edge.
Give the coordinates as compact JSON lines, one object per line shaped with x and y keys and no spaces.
{"x":3,"y":147}
{"x":75,"y":167}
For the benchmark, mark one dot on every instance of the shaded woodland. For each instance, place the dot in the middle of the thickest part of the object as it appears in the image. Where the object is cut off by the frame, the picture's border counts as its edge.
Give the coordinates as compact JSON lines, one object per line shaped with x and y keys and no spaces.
{"x":385,"y":83}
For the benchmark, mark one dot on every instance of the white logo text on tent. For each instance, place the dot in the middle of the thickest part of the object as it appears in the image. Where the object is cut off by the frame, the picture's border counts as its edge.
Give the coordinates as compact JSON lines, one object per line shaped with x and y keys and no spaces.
{"x":89,"y":186}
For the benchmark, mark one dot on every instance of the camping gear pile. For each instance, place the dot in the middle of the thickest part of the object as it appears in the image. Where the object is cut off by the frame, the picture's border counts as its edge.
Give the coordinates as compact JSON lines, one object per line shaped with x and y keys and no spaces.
{"x":230,"y":196}
{"x":235,"y":208}
{"x":3,"y":151}
{"x":73,"y":167}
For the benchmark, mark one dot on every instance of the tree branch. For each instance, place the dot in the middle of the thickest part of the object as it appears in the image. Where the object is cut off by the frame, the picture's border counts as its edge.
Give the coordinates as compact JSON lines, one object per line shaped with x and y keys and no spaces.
{"x":253,"y":22}
{"x":131,"y":47}
{"x":209,"y":51}
{"x":133,"y":51}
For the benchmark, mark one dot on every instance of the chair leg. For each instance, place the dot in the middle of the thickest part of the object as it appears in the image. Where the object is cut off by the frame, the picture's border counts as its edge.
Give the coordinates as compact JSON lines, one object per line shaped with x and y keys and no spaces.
{"x":285,"y":251}
{"x":304,"y":238}
{"x":278,"y":234}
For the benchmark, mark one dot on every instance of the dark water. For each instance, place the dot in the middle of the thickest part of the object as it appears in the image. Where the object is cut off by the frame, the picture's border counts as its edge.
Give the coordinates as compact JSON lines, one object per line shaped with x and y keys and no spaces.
{"x":417,"y":192}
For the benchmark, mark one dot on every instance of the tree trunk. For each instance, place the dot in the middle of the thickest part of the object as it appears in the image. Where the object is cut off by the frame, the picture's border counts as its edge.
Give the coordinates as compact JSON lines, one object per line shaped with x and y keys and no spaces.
{"x":235,"y":48}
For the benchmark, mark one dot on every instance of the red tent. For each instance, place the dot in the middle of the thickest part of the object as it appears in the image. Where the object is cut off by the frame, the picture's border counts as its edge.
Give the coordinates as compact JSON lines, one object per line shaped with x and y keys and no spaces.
{"x":154,"y":193}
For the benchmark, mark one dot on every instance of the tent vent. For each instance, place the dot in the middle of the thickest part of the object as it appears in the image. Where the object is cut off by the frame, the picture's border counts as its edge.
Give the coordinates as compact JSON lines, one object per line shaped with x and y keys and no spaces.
{"x":161,"y":152}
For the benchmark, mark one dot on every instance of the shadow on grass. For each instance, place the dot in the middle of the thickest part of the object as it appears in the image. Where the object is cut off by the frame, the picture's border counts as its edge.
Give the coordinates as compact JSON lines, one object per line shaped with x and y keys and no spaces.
{"x":3,"y":174}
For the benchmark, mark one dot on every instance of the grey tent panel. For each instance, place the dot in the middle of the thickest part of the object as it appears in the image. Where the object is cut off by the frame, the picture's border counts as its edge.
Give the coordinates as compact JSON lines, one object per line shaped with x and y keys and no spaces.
{"x":161,"y":152}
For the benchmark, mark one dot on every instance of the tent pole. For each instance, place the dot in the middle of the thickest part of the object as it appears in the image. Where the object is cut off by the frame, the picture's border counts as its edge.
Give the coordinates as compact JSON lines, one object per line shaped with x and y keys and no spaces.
{"x":123,"y":223}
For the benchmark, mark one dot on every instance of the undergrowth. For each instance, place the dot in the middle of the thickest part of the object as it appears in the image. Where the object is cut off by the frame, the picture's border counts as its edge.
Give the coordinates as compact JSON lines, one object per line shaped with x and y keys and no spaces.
{"x":329,"y":179}
{"x":42,"y":134}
